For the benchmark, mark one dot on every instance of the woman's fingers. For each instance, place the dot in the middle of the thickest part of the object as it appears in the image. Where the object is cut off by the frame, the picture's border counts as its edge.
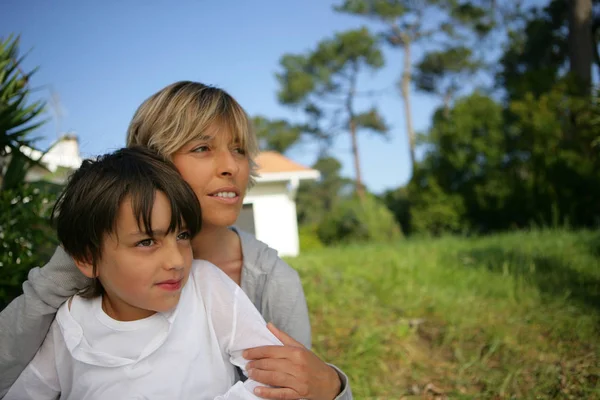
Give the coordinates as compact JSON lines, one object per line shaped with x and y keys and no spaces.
{"x":276,"y":393}
{"x":281,"y":375}
{"x":293,"y":369}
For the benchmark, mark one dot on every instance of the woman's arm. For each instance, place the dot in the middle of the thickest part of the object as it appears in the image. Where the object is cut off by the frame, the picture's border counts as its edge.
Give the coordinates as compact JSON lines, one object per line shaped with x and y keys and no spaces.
{"x":39,"y":380}
{"x":284,"y":305}
{"x":26,"y":320}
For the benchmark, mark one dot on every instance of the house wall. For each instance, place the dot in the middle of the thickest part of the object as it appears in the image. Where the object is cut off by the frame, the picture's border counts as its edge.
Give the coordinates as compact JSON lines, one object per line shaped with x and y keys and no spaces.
{"x":275,"y":220}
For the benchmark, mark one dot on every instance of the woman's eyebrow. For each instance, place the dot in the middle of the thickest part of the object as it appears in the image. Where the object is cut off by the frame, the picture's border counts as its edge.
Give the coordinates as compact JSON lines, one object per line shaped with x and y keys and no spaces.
{"x":204,"y":138}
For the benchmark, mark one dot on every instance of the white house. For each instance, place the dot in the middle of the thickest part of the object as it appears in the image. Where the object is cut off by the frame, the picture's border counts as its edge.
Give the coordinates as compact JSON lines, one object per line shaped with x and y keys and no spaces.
{"x":54,"y":165}
{"x":269,"y":210}
{"x":62,"y":158}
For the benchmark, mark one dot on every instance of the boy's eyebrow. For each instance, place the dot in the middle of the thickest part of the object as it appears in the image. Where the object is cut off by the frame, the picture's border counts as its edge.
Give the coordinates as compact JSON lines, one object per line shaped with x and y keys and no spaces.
{"x":158,"y":232}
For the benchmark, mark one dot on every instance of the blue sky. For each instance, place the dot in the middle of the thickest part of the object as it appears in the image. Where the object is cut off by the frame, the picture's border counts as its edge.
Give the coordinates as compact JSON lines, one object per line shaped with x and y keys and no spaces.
{"x":103,"y":58}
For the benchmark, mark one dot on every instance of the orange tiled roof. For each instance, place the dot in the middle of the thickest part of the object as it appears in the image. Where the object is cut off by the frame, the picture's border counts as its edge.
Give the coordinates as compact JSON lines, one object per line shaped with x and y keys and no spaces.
{"x":272,"y":162}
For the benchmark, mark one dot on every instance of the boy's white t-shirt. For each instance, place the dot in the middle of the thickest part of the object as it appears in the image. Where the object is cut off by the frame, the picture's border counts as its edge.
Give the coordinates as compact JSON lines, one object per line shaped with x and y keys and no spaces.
{"x":187,"y":353}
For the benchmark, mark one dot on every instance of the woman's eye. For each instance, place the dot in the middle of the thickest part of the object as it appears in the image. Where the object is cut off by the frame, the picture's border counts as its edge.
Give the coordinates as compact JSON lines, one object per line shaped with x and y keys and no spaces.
{"x":184,"y":236}
{"x":200,"y":149}
{"x":239,"y":150}
{"x":145,"y":243}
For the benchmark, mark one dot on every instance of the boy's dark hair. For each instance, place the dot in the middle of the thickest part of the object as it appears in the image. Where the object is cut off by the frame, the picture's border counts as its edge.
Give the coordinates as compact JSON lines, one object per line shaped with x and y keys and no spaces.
{"x":88,"y":207}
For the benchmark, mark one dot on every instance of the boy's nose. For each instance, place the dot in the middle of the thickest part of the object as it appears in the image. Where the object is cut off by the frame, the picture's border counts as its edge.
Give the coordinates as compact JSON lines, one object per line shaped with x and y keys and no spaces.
{"x":174,"y":258}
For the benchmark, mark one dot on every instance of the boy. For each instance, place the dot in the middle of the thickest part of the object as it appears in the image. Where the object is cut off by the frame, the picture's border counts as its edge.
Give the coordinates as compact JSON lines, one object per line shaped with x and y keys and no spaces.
{"x":154,"y":324}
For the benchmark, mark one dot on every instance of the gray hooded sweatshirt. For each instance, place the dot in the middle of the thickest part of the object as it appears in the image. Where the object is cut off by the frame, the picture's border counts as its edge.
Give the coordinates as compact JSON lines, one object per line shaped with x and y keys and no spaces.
{"x":272,"y":285}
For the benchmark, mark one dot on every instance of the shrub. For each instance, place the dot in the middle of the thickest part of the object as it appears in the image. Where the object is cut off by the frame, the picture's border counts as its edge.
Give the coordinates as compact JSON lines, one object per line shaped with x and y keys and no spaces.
{"x":309,"y":240}
{"x":354,"y":220}
{"x":436,"y":212}
{"x":26,"y":238}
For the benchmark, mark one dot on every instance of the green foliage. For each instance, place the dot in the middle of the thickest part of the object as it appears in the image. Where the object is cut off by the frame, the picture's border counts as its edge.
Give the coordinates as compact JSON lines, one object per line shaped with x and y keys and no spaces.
{"x":435,"y":211}
{"x":483,"y":173}
{"x":324,"y":82}
{"x":501,"y":317}
{"x":278,"y":135}
{"x":442,"y":29}
{"x":26,"y":237}
{"x":354,"y":220}
{"x":327,"y":72}
{"x":461,"y":183}
{"x":443,"y":71}
{"x":17,"y":118}
{"x":529,"y":64}
{"x":531,"y":160}
{"x":316,"y":199}
{"x":309,"y":240}
{"x":408,"y":23}
{"x":384,"y":8}
{"x":371,"y":120}
{"x":561,"y":175}
{"x":398,"y":203}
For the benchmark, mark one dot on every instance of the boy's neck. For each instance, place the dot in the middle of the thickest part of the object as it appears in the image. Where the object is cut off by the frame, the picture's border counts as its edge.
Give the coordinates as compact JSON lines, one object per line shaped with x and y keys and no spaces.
{"x":120,"y":311}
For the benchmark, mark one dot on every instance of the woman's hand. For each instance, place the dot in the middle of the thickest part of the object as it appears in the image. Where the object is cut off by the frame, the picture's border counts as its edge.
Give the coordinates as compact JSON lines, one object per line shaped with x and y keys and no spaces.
{"x":293,"y":370}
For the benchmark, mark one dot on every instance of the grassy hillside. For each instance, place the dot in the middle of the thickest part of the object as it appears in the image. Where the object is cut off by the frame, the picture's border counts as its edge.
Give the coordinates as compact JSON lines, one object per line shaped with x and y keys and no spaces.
{"x":507,"y":316}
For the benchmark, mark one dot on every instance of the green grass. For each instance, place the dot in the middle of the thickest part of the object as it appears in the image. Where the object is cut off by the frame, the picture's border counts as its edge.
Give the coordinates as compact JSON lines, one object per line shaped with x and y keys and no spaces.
{"x":502,"y":317}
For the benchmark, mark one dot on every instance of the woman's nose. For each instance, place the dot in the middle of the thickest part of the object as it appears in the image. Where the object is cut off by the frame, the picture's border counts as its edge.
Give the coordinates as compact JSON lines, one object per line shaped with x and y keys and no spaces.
{"x":226,"y":163}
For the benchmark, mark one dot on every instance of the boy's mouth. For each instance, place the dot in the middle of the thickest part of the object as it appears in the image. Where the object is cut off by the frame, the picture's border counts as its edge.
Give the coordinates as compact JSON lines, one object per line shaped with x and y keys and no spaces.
{"x":171,"y":284}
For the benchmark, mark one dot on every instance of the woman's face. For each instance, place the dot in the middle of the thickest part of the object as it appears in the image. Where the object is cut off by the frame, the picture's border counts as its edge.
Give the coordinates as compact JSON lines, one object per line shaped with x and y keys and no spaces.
{"x":218,"y":171}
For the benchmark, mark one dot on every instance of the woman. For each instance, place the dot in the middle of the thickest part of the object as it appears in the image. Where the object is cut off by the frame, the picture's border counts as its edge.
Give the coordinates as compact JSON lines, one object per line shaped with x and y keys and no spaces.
{"x":208,"y":136}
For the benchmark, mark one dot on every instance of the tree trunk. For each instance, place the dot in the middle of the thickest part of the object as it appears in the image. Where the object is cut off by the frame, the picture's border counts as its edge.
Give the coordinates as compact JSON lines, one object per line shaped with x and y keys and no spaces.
{"x":580,"y":41}
{"x":447,"y":99}
{"x":405,"y":92}
{"x":360,"y":189}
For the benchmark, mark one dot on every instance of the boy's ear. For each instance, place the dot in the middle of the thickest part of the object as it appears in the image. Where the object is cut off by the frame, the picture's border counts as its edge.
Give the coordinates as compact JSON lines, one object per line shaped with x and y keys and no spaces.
{"x":86,"y":268}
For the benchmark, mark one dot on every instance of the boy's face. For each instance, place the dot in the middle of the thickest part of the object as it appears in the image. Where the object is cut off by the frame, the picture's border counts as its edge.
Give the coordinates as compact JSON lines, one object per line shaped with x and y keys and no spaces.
{"x":143,"y":274}
{"x":218,"y":171}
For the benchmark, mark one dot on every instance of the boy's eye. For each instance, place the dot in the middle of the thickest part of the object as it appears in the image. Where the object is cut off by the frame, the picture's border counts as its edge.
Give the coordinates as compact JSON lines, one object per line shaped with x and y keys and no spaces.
{"x":184,"y":236}
{"x":239,"y":150}
{"x":145,"y":243}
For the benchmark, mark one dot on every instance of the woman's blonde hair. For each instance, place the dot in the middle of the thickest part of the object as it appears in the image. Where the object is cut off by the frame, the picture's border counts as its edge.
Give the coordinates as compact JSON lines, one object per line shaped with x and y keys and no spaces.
{"x":182,"y":111}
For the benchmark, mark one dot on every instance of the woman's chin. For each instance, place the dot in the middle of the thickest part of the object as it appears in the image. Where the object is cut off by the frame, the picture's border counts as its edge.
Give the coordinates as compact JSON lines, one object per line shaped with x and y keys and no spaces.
{"x":222,"y":221}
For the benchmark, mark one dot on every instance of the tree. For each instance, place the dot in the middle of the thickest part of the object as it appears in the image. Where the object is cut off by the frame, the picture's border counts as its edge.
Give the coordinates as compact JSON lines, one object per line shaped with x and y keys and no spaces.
{"x":580,"y":41}
{"x":550,"y":114}
{"x":356,"y":220}
{"x":325,"y":83}
{"x":317,"y":199}
{"x":444,"y":72}
{"x":560,"y":170}
{"x":17,"y":118}
{"x":397,"y":201}
{"x":405,"y":25}
{"x":278,"y":134}
{"x":465,"y":174}
{"x":27,"y":239}
{"x":531,"y":159}
{"x":529,"y":64}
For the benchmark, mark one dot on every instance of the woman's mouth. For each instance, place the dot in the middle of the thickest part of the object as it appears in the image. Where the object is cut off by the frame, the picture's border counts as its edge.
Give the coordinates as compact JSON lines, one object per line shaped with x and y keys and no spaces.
{"x":226,"y":195}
